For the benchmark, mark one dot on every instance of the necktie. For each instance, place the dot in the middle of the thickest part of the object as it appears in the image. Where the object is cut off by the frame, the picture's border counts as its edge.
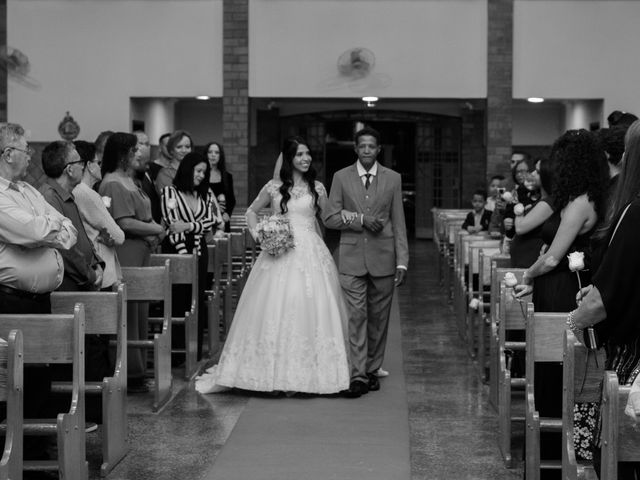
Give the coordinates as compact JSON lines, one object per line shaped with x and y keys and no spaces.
{"x":367,"y":182}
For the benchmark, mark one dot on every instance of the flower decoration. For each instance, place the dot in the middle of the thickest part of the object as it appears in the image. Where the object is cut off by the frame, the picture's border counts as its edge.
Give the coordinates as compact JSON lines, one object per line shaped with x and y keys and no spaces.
{"x":518,"y":209}
{"x":576,"y":261}
{"x":474,"y":304}
{"x":106,"y":201}
{"x":510,"y":280}
{"x":275,"y":235}
{"x":507,"y":197}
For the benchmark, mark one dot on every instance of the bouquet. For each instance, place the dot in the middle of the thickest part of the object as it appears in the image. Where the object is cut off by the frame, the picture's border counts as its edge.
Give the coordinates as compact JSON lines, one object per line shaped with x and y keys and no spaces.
{"x":275,"y":235}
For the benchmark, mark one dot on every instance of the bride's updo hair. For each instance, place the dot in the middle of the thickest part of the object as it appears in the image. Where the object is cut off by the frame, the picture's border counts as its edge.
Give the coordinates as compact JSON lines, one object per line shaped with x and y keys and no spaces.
{"x":289,"y":150}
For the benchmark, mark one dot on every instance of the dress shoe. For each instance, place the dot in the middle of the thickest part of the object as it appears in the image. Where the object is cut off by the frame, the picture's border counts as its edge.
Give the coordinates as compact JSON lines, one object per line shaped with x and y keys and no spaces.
{"x":356,"y":389}
{"x":374,"y":383}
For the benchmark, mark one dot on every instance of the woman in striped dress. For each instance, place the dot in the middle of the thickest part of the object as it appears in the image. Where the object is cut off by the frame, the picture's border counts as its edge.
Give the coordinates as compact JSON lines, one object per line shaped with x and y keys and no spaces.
{"x":192,"y":214}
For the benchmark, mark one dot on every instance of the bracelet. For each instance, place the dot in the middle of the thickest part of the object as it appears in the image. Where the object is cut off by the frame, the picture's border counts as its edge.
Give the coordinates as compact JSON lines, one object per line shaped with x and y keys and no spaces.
{"x":571,"y":323}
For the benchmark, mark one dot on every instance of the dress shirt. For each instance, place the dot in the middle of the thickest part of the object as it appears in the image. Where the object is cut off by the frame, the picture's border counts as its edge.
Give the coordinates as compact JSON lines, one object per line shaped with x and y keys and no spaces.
{"x":96,"y":217}
{"x":81,"y":260}
{"x":30,"y":232}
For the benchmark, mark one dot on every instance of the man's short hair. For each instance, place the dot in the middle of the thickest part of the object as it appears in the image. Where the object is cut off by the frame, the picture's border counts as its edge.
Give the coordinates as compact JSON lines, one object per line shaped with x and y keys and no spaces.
{"x":367,"y":131}
{"x":10,"y":133}
{"x":612,"y":140}
{"x":497,"y":177}
{"x":480,"y":192}
{"x":54,"y":158}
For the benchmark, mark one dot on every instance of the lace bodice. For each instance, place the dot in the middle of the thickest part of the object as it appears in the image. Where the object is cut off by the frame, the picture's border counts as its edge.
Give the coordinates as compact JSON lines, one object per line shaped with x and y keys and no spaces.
{"x":301,"y":208}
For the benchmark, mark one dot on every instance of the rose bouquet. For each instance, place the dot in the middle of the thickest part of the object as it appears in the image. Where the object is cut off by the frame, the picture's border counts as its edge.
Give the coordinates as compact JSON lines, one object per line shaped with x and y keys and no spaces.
{"x":275,"y":235}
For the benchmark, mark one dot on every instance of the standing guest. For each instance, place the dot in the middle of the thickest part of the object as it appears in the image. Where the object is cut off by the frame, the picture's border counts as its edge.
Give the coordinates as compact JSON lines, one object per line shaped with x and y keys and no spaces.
{"x":478,"y":219}
{"x":83,"y":268}
{"x":190,"y":210}
{"x":578,"y":191}
{"x":178,"y":145}
{"x":528,"y":221}
{"x":221,"y":182}
{"x":144,"y":179}
{"x":611,"y":304}
{"x":32,"y":233}
{"x":495,"y":184}
{"x":101,"y":139}
{"x":366,"y":205}
{"x":163,"y":160}
{"x":102,"y":230}
{"x":131,"y":209}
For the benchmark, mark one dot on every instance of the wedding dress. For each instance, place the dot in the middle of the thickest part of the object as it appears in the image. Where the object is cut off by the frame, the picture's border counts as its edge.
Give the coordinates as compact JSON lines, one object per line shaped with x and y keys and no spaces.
{"x":289,"y":329}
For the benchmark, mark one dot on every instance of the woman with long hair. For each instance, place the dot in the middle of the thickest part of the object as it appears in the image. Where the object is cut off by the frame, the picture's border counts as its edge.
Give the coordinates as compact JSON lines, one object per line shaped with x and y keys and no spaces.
{"x":611,"y":304}
{"x":191,"y":212}
{"x":288,"y":333}
{"x":221,"y":181}
{"x":130,"y":207}
{"x":179,"y":145}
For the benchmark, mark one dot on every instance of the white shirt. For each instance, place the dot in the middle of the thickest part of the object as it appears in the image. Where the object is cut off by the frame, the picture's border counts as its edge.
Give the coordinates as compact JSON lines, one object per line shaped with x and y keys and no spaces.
{"x":363,"y":173}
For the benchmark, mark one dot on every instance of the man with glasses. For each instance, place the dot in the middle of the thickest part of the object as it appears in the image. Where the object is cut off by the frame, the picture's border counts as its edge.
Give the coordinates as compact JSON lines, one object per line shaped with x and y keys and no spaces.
{"x":31,"y":233}
{"x":64,"y":169}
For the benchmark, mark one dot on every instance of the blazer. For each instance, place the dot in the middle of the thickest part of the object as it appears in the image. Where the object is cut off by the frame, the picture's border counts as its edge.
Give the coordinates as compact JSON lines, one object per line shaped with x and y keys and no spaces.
{"x":362,"y":252}
{"x":470,"y":221}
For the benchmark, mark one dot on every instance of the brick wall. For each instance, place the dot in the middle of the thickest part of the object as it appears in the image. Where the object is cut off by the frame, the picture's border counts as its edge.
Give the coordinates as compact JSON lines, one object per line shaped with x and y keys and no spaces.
{"x":3,"y":73}
{"x":499,"y":85}
{"x":473,"y":154}
{"x":235,"y":102}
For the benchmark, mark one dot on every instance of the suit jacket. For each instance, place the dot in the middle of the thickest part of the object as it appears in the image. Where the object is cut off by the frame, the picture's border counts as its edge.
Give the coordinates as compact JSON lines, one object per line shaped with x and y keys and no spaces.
{"x":363,"y":252}
{"x":470,"y":221}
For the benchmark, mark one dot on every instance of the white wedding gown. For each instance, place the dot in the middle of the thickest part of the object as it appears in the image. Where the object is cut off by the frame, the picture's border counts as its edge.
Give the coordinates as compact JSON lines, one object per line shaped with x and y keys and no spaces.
{"x":289,"y":329}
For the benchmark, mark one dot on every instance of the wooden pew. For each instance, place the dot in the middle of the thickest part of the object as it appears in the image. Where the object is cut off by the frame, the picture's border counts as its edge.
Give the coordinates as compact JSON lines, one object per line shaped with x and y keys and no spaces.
{"x":545,"y":337}
{"x":56,"y":339}
{"x":577,"y":388}
{"x":238,"y":273}
{"x":219,"y":260}
{"x":487,"y":258}
{"x":620,"y":434}
{"x":105,"y":314}
{"x":184,"y":271}
{"x":452,"y":226}
{"x":145,"y":284}
{"x":512,"y":317}
{"x":11,"y":393}
{"x":474,"y":317}
{"x":461,"y":267}
{"x":440,"y":232}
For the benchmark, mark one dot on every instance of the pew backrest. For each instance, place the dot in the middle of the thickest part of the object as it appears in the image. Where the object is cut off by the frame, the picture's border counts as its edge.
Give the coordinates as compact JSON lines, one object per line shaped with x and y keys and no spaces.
{"x":11,"y":392}
{"x":545,"y":339}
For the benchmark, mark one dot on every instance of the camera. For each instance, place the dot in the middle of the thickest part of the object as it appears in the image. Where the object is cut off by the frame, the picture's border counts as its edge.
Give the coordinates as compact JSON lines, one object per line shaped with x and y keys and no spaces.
{"x":501,"y":191}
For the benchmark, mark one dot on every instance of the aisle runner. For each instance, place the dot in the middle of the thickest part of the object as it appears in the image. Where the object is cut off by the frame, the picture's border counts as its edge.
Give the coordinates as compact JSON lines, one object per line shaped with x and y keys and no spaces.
{"x":324,"y":438}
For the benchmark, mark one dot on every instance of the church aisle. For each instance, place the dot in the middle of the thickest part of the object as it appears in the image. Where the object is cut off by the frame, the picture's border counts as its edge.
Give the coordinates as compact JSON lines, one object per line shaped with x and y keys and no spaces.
{"x":430,"y":420}
{"x":453,"y":427}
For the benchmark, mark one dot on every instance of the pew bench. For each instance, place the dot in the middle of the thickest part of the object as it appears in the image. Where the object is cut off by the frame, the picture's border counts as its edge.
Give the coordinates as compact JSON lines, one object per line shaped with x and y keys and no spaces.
{"x":53,"y":339}
{"x":147,"y":284}
{"x":11,"y":393}
{"x":105,"y":314}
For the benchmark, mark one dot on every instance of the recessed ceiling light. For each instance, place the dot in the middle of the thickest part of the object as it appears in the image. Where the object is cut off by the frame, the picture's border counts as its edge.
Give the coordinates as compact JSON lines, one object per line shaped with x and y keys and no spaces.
{"x":203,"y":97}
{"x":535,"y":99}
{"x":369,"y":99}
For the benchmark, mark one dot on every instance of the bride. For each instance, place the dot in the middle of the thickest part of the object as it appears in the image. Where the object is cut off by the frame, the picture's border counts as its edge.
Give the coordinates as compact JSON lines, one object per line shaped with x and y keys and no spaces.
{"x":288,"y":333}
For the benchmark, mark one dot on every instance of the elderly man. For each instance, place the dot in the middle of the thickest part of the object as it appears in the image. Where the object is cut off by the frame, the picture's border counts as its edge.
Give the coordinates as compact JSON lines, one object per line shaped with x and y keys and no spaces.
{"x":64,"y":169}
{"x":31,"y":232}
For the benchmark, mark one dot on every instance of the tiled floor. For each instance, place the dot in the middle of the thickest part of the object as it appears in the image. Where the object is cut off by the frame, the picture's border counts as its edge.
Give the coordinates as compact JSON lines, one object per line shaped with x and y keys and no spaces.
{"x":453,"y":429}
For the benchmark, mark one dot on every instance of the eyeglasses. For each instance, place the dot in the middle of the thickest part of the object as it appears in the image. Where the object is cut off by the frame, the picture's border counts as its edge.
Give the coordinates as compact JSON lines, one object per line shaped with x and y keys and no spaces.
{"x":84,"y":164}
{"x":29,"y":151}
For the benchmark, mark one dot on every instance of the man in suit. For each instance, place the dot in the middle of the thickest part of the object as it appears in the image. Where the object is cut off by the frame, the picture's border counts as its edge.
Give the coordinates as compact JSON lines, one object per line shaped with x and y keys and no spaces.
{"x":366,"y":205}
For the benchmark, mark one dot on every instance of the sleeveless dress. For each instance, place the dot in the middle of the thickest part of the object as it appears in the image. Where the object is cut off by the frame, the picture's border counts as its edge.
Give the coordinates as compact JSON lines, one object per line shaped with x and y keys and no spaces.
{"x":555,"y":291}
{"x":288,"y":332}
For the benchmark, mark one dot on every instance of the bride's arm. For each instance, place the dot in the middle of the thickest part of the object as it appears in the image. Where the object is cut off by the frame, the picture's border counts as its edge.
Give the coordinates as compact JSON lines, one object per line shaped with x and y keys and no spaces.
{"x":262,"y":200}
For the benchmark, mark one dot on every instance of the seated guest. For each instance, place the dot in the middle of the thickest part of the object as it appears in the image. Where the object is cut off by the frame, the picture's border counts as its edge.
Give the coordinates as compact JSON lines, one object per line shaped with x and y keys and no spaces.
{"x":495,"y":184}
{"x":32,"y":233}
{"x":64,"y":169}
{"x":478,"y":219}
{"x":178,"y":145}
{"x":102,"y":230}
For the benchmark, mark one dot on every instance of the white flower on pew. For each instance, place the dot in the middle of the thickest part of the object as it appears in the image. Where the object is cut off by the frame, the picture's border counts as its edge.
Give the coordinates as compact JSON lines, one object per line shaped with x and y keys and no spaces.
{"x":518,"y":209}
{"x":576,"y":261}
{"x":106,"y":201}
{"x":507,"y":197}
{"x":632,"y":408}
{"x":510,"y":280}
{"x":474,"y":304}
{"x":172,"y":204}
